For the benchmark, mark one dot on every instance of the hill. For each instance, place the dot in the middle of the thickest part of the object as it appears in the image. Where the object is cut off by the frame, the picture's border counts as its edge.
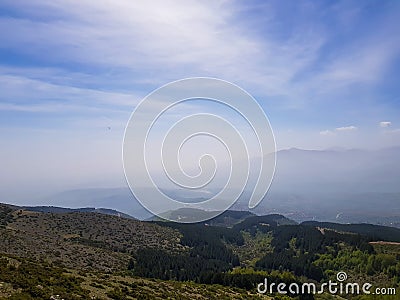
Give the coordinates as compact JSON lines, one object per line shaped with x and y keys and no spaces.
{"x":373,"y":232}
{"x":62,"y":210}
{"x":84,"y":240}
{"x":230,"y":218}
{"x":226,"y":219}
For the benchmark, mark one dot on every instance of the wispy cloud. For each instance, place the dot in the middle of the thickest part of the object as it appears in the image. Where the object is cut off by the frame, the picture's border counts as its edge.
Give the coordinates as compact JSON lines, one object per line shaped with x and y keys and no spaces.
{"x":169,"y":38}
{"x":338,"y":130}
{"x":385,"y":124}
{"x":21,"y":90}
{"x":158,"y":41}
{"x":326,"y":132}
{"x":346,"y":128}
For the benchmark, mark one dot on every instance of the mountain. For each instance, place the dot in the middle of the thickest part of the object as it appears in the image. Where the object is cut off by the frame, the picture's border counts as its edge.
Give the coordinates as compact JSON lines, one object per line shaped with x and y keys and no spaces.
{"x":186,"y":215}
{"x":230,"y":218}
{"x":226,"y":219}
{"x":263,"y":223}
{"x":345,"y":186}
{"x":339,"y":207}
{"x":336,"y":185}
{"x":62,"y":210}
{"x":349,"y":171}
{"x":119,"y":199}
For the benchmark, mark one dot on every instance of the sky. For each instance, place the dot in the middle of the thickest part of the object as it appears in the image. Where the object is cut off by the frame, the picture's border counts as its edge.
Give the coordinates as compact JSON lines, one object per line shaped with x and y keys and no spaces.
{"x":326,"y":74}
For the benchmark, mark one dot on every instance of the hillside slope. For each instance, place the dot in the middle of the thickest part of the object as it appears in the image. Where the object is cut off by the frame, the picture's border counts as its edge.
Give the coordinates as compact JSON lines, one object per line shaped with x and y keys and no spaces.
{"x":81,"y":240}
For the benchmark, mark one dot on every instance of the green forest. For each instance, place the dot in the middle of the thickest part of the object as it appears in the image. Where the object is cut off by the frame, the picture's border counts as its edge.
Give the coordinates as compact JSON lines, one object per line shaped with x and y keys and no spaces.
{"x":304,"y":251}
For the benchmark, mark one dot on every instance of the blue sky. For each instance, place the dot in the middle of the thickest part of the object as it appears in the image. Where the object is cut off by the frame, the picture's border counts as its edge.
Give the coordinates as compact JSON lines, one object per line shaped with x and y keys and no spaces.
{"x":71,"y":72}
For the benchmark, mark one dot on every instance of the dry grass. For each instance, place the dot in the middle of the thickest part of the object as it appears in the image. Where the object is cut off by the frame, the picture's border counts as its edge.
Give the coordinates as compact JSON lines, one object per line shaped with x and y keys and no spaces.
{"x":83,"y":240}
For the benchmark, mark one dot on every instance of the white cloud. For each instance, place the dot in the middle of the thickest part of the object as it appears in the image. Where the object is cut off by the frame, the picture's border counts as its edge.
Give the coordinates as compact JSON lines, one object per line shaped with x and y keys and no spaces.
{"x":338,"y":129}
{"x":160,"y":41}
{"x":326,"y":132}
{"x":25,"y":92}
{"x":385,"y":124}
{"x":346,"y":128}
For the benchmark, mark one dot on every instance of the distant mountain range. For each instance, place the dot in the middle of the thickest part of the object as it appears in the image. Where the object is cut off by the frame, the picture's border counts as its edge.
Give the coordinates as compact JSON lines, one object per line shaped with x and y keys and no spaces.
{"x":343,"y":186}
{"x":334,"y":185}
{"x":120,"y":199}
{"x":346,"y":171}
